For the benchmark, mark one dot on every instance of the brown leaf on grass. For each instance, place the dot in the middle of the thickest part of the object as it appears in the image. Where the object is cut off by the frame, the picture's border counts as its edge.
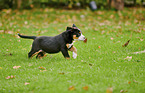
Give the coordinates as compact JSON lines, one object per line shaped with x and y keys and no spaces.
{"x":126,"y":44}
{"x":26,"y":22}
{"x":111,"y":16}
{"x":128,"y":58}
{"x":141,"y":39}
{"x":85,"y":87}
{"x":109,"y":90}
{"x":62,"y":73}
{"x":26,"y":83}
{"x":135,"y":81}
{"x":31,"y":5}
{"x":7,"y":11}
{"x":71,"y":88}
{"x":1,"y":31}
{"x":30,"y":65}
{"x":42,"y":68}
{"x":16,"y":67}
{"x":121,"y":91}
{"x":9,"y":54}
{"x":113,"y":51}
{"x":129,"y":82}
{"x":85,"y":41}
{"x":111,"y":38}
{"x":99,"y":46}
{"x":10,"y":77}
{"x":90,"y":64}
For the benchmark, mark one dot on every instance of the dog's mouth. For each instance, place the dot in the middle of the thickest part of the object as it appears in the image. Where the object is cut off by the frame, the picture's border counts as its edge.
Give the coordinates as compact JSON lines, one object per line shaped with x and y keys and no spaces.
{"x":80,"y":38}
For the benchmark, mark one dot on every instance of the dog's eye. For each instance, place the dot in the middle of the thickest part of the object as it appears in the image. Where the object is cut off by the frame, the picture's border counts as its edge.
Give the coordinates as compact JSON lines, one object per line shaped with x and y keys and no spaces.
{"x":78,"y":34}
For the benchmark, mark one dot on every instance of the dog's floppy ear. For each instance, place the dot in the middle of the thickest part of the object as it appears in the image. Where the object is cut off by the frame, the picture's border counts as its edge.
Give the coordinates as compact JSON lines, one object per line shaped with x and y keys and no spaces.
{"x":73,"y":25}
{"x":68,"y":28}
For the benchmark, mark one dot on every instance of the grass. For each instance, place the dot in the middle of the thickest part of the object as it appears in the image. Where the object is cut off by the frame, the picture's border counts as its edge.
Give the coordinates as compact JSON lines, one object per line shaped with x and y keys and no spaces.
{"x":100,"y":63}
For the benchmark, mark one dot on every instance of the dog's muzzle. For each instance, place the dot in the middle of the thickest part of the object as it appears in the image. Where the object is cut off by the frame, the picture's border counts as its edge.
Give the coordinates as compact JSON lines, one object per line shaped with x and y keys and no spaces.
{"x":81,"y":37}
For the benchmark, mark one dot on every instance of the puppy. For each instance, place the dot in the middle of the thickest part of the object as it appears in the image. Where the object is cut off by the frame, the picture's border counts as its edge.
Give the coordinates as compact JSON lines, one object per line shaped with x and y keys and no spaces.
{"x":62,"y":42}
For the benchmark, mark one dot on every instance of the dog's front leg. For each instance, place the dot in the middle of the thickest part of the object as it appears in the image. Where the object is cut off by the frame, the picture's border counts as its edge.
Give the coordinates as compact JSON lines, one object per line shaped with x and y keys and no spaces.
{"x":65,"y":53}
{"x":72,"y":49}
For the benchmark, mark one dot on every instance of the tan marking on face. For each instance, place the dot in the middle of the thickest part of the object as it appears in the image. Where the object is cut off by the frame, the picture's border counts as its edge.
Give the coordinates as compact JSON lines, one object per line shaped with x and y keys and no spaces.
{"x":74,"y":37}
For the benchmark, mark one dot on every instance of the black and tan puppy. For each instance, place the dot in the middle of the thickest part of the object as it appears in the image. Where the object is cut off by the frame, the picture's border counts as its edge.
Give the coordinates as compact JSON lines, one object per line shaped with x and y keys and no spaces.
{"x":62,"y":42}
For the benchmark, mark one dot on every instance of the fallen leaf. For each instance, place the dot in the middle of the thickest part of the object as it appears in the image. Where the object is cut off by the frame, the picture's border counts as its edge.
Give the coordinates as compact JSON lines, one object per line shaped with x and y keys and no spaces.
{"x":9,"y":54}
{"x":141,"y":39}
{"x":135,"y":81}
{"x":26,"y":22}
{"x":109,"y":90}
{"x":62,"y":73}
{"x":90,"y":64}
{"x":99,"y":46}
{"x":31,"y":5}
{"x":16,"y":67}
{"x":19,"y":40}
{"x":118,"y":27}
{"x":111,"y":38}
{"x":121,"y":91}
{"x":112,"y":16}
{"x":82,"y":16}
{"x":42,"y":68}
{"x":128,"y":58}
{"x":8,"y":11}
{"x":26,"y":83}
{"x":101,"y":24}
{"x":114,"y":52}
{"x":85,"y":87}
{"x":85,"y":41}
{"x":10,"y":32}
{"x":71,"y":88}
{"x":129,"y":82}
{"x":10,"y":77}
{"x":139,"y":52}
{"x":126,"y":44}
{"x":1,"y":31}
{"x":30,"y":64}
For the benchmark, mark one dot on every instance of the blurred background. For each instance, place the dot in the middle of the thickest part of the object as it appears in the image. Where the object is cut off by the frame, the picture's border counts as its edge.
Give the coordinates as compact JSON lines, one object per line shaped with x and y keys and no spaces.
{"x":70,"y":4}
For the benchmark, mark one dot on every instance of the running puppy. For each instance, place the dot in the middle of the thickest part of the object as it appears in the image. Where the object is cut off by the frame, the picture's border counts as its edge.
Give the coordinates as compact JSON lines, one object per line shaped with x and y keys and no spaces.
{"x":62,"y":42}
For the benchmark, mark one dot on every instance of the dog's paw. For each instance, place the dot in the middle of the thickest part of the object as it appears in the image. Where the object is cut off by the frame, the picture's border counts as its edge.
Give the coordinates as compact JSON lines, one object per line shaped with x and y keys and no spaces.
{"x":74,"y":55}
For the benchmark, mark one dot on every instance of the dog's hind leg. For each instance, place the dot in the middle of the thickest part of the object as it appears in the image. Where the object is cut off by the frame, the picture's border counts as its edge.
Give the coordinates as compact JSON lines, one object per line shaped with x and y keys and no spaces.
{"x":40,"y":55}
{"x":33,"y":53}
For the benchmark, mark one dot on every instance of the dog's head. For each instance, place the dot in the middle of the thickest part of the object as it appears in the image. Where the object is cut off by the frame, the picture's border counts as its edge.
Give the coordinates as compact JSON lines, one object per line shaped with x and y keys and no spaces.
{"x":76,"y":33}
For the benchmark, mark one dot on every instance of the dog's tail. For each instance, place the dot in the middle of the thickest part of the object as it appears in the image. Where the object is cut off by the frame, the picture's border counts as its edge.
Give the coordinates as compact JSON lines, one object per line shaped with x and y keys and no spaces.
{"x":28,"y":37}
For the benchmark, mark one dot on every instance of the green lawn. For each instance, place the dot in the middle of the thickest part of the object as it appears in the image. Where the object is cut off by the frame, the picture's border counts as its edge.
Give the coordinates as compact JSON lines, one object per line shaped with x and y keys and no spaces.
{"x":101,"y":63}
